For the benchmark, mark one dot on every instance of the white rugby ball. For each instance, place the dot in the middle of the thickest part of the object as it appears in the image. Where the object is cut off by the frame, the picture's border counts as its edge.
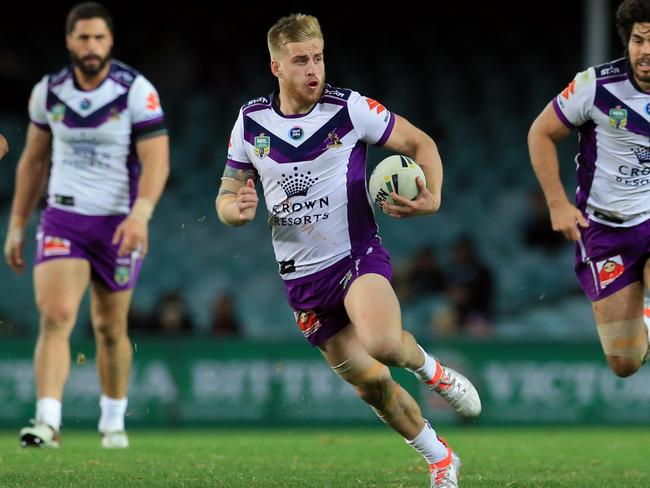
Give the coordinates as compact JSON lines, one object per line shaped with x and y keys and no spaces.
{"x":395,"y":174}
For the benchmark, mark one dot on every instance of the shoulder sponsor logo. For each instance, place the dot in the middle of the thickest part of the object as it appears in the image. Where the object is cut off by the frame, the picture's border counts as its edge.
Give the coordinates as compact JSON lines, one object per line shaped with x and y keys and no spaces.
{"x":374,"y":104}
{"x":610,"y":70}
{"x":153,"y":103}
{"x":609,"y":270}
{"x":618,"y":117}
{"x":122,"y":75}
{"x":334,"y":93}
{"x":58,"y":76}
{"x":569,"y":90}
{"x":262,"y":145}
{"x":258,"y":100}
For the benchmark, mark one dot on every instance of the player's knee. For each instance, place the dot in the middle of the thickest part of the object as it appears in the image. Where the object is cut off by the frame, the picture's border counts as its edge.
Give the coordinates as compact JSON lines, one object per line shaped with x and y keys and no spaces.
{"x":376,"y":391}
{"x":109,"y":331}
{"x":623,"y":367}
{"x":57,"y":316}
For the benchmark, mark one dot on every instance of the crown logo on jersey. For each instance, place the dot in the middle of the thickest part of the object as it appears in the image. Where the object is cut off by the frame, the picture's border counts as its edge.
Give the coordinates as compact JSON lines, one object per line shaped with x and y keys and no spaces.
{"x":262,"y":145}
{"x":642,"y":154}
{"x":297,"y":184}
{"x":336,"y":142}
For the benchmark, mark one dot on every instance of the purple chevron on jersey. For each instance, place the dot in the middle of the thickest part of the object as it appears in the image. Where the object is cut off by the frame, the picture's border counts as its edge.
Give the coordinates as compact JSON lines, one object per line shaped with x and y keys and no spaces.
{"x":604,"y":100}
{"x":74,"y":120}
{"x":282,"y":152}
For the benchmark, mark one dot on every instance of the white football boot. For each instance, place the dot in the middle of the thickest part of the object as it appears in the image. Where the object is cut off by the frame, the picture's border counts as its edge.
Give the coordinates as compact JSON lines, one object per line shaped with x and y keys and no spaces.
{"x":457,"y":390}
{"x":39,"y":435}
{"x":444,"y":473}
{"x":115,"y":440}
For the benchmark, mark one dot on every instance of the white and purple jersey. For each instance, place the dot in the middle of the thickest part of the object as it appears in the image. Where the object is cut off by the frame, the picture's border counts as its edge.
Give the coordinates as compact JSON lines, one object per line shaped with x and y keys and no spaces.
{"x":95,"y":167}
{"x":313,"y":172}
{"x":613,"y":165}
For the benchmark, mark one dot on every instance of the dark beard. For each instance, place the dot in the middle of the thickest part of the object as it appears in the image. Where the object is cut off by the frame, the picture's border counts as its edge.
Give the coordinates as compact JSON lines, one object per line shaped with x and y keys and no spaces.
{"x":87,"y":70}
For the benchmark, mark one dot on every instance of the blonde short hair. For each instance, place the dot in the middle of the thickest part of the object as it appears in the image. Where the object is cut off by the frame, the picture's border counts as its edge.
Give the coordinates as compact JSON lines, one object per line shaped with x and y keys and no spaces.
{"x":292,"y":28}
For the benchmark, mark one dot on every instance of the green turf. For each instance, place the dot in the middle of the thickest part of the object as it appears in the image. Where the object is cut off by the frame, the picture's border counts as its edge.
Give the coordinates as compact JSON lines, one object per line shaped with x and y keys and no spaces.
{"x":512,"y":458}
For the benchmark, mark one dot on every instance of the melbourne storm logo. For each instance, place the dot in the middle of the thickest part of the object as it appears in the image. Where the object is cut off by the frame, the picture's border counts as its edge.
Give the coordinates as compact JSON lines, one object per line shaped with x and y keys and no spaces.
{"x":642,"y":154}
{"x":297,"y":184}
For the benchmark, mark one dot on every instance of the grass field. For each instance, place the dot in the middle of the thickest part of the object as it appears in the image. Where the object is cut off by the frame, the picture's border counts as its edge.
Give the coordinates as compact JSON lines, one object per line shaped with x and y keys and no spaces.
{"x":512,"y":458}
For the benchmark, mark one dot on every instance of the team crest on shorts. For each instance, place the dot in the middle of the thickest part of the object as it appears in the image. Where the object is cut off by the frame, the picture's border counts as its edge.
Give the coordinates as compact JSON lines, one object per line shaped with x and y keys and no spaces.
{"x":262,"y":145}
{"x":307,"y":322}
{"x":609,"y":270}
{"x":122,"y":275}
{"x":55,"y":246}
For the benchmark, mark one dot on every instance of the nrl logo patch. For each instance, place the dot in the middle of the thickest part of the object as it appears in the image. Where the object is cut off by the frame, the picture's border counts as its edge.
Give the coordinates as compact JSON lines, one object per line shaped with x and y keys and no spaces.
{"x":262,"y":145}
{"x":58,"y":111}
{"x":618,"y":117}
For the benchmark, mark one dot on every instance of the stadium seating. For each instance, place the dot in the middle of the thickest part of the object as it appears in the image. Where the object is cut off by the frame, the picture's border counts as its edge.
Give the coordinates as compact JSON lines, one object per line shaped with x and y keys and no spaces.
{"x":479,"y":116}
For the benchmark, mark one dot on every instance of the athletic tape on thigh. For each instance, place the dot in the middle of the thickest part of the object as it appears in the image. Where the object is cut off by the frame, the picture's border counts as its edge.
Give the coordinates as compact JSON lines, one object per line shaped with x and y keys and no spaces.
{"x":624,"y":338}
{"x":358,"y":367}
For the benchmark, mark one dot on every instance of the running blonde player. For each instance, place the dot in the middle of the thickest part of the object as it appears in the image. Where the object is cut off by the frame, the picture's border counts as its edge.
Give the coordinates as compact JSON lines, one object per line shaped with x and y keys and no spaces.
{"x":306,"y":144}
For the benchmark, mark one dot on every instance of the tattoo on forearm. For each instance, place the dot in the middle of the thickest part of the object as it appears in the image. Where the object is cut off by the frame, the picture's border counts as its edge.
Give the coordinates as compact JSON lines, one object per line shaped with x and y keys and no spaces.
{"x":239,"y":174}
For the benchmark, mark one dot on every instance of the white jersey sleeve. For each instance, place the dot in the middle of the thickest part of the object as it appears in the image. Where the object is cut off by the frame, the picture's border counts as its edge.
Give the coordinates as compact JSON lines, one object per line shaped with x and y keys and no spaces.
{"x":237,"y":155}
{"x":574,"y":104}
{"x":37,"y":105}
{"x":372,"y":121}
{"x":147,"y":117}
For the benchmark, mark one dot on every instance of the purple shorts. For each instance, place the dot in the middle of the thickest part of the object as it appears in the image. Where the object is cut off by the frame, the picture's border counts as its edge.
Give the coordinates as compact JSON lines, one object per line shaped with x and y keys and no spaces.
{"x":69,"y":235}
{"x":317,"y":299}
{"x":608,"y":259}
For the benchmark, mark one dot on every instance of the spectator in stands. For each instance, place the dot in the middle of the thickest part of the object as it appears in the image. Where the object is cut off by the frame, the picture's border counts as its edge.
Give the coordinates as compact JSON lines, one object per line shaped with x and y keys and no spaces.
{"x":469,"y":289}
{"x":224,"y":319}
{"x":4,"y":146}
{"x":171,"y":316}
{"x":537,"y":228}
{"x":421,"y":277}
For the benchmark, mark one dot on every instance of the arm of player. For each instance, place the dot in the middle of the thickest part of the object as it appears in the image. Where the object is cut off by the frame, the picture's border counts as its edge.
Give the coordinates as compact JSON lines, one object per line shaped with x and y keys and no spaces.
{"x":31,"y":175}
{"x":4,"y":146}
{"x":132,"y":233}
{"x":411,"y":141}
{"x":237,"y":198}
{"x":544,"y":134}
